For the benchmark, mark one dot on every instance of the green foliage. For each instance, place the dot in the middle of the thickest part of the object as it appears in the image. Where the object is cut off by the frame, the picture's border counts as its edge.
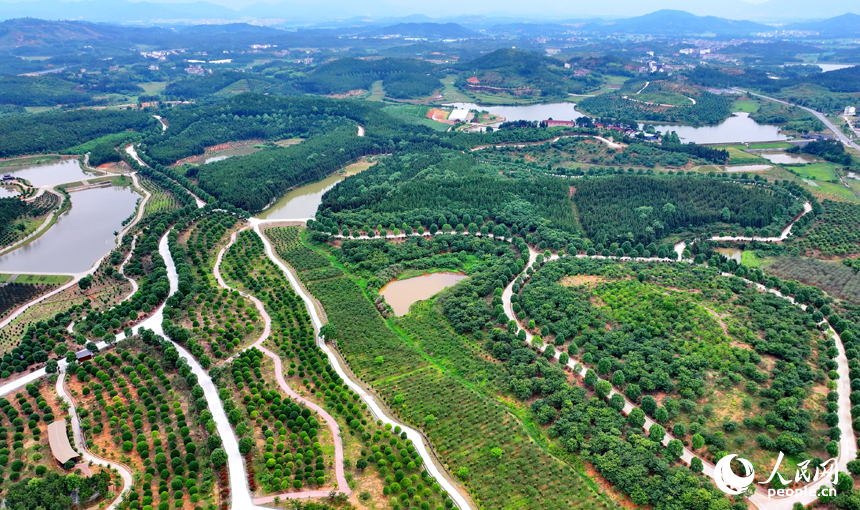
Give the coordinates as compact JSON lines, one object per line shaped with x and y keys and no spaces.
{"x":40,"y":91}
{"x":401,"y":78}
{"x":834,"y":231}
{"x":709,"y":108}
{"x":53,"y":131}
{"x":633,"y":207}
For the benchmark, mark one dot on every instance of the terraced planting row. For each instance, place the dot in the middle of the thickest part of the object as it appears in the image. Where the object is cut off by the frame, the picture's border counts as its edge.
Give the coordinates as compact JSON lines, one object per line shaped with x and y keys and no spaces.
{"x":142,"y":406}
{"x":381,"y":463}
{"x":435,"y":395}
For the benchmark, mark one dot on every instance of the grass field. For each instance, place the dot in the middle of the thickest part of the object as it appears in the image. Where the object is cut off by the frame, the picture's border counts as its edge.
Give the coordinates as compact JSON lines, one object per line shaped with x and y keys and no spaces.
{"x":817,"y":171}
{"x":153,"y":87}
{"x":770,"y":145}
{"x":415,"y":114}
{"x":838,"y":190}
{"x":376,"y":91}
{"x":44,"y":279}
{"x":739,"y":157}
{"x":745,"y":105}
{"x":750,"y":259}
{"x":613,"y":83}
{"x":4,"y":277}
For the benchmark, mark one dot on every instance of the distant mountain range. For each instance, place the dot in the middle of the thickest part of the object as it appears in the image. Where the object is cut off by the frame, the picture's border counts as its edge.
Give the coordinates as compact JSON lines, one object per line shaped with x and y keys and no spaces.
{"x":173,"y":22}
{"x":340,"y":13}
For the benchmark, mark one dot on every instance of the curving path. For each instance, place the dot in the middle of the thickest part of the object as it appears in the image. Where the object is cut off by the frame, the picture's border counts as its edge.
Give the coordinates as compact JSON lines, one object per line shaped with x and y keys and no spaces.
{"x":80,"y":444}
{"x":342,"y":483}
{"x":429,"y":459}
{"x":551,"y":140}
{"x":132,"y":152}
{"x":847,"y":443}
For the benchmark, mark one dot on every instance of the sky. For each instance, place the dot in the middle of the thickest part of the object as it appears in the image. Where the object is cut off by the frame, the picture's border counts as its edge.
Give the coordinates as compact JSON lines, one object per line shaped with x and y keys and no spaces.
{"x":758,"y":10}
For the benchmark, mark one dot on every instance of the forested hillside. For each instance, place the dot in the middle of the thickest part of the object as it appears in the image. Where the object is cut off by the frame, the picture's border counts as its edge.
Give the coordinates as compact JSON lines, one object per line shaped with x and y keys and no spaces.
{"x":54,"y":131}
{"x":400,"y":78}
{"x":511,"y":69}
{"x":646,"y":208}
{"x":659,"y":102}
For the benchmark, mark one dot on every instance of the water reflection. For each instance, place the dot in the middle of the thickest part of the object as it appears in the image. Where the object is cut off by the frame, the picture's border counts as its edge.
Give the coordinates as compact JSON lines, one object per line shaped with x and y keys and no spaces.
{"x":783,"y":158}
{"x":736,"y":129}
{"x":302,"y":202}
{"x":400,"y":294}
{"x":50,"y":174}
{"x":80,"y":236}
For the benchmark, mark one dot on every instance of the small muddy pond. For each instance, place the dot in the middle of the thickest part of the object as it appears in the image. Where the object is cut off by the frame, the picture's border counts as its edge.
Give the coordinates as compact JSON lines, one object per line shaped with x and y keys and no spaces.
{"x":730,"y":253}
{"x":400,"y":294}
{"x":784,"y":158}
{"x":302,"y":202}
{"x":50,"y":174}
{"x":222,"y":155}
{"x":80,"y":236}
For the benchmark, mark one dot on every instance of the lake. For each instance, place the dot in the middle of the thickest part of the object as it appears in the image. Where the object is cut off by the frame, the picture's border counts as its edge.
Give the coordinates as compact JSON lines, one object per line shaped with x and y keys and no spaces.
{"x":50,"y":174}
{"x":400,"y":294}
{"x":302,"y":202}
{"x":80,"y":236}
{"x":532,"y":112}
{"x":736,"y":129}
{"x":825,"y":68}
{"x":784,"y":158}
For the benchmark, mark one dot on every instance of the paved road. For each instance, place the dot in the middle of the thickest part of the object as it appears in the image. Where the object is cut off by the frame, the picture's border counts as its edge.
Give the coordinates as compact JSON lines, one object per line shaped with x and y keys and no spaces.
{"x":836,"y":131}
{"x":342,"y":484}
{"x":847,"y":444}
{"x":430,"y":461}
{"x":80,"y":444}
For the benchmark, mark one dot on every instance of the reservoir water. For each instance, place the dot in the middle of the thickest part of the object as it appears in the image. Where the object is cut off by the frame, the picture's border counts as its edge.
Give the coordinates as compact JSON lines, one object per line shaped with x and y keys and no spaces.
{"x":784,"y":158}
{"x":302,"y":202}
{"x":400,"y":294}
{"x":80,"y":236}
{"x":50,"y":174}
{"x":736,"y":129}
{"x":6,"y":192}
{"x":532,"y":112}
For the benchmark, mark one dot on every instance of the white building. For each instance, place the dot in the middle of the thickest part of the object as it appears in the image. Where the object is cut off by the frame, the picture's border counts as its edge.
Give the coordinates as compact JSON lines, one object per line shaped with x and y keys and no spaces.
{"x":850,"y":110}
{"x":459,"y":115}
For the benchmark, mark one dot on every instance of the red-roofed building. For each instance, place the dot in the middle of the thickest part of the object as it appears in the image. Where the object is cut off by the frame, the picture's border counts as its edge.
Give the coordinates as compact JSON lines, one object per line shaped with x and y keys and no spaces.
{"x":473,"y":80}
{"x":560,"y":123}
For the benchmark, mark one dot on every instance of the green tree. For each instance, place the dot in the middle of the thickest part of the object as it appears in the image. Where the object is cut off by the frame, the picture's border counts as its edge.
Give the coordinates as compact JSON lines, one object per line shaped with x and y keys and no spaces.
{"x":602,"y":388}
{"x":246,"y":444}
{"x":656,"y":433}
{"x":636,"y":418}
{"x":697,"y":441}
{"x":218,"y":457}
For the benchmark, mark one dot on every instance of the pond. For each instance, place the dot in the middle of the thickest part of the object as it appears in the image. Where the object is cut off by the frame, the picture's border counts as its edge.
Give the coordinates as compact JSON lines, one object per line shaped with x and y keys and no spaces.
{"x":400,"y":294}
{"x":739,"y":128}
{"x":229,"y":153}
{"x":80,"y":236}
{"x":730,"y":253}
{"x":825,"y":68}
{"x":784,"y":158}
{"x":302,"y":202}
{"x":532,"y":112}
{"x":8,"y":191}
{"x":50,"y":174}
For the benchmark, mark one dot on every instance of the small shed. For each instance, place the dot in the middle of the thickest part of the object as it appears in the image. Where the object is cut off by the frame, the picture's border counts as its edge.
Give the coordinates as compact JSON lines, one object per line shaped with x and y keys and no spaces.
{"x":59,"y":441}
{"x":84,"y":355}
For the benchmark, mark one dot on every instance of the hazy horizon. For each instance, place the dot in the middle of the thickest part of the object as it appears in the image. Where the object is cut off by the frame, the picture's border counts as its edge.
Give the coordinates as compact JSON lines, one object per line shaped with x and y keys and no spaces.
{"x":334,"y":10}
